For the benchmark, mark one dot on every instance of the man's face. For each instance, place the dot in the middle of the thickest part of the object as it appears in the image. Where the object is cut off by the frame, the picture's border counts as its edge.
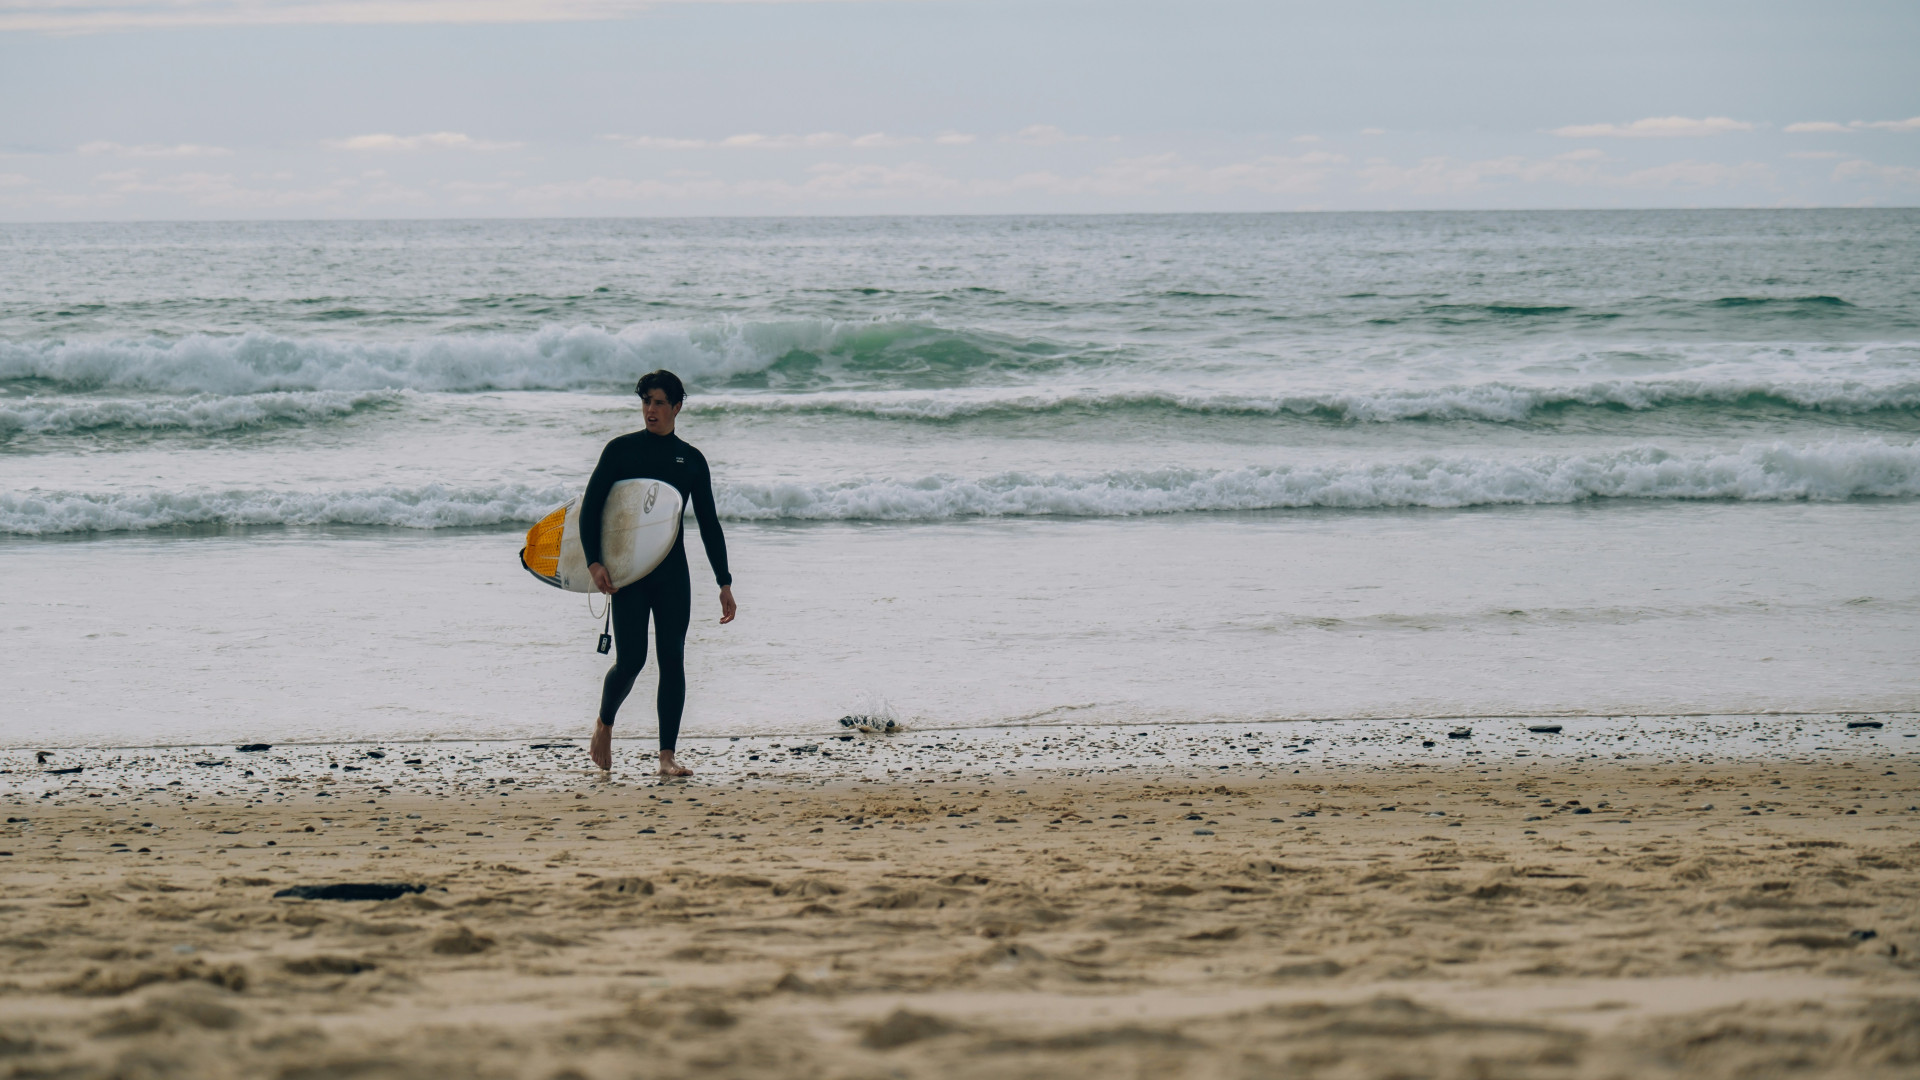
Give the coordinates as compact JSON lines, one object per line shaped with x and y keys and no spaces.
{"x":659,"y":414}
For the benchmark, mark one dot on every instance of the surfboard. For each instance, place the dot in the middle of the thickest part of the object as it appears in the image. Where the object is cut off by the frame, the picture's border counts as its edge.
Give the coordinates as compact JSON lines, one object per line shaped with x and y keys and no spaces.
{"x":637,"y":530}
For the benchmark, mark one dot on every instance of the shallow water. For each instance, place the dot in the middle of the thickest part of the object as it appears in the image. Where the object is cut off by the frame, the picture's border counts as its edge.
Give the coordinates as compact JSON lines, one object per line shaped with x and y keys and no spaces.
{"x":266,"y":481}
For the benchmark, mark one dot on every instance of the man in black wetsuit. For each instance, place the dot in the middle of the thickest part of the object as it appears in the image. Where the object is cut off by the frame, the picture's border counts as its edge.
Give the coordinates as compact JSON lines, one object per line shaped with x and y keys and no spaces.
{"x":667,"y":593}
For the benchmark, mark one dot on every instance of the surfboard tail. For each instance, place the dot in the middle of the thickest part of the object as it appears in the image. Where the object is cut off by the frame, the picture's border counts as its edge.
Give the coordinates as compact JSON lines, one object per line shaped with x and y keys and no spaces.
{"x":541,"y":556}
{"x":553,"y":581}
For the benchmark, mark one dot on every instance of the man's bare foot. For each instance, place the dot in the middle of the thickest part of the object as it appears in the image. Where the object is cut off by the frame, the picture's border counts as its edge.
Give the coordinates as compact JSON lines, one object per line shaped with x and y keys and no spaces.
{"x":670,"y":767}
{"x":601,"y":748}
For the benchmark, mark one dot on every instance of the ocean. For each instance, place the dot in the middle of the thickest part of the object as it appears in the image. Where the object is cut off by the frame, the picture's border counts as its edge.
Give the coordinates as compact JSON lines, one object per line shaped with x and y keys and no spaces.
{"x":267,"y":481}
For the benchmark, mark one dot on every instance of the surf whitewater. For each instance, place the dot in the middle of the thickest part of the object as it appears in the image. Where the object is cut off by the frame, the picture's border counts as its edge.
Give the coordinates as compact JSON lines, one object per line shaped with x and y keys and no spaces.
{"x":553,"y":357}
{"x":1759,"y":473}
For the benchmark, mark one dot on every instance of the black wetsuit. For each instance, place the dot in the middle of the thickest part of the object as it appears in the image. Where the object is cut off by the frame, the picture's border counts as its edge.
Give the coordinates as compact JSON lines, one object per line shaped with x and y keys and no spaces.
{"x":667,"y":592}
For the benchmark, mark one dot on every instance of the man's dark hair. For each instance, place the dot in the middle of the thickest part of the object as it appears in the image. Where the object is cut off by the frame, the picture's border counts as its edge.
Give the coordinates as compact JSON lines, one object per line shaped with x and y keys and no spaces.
{"x":663,"y":380}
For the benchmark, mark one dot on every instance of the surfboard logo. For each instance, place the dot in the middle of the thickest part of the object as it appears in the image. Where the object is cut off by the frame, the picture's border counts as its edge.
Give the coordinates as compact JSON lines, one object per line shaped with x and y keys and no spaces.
{"x":653,"y":492}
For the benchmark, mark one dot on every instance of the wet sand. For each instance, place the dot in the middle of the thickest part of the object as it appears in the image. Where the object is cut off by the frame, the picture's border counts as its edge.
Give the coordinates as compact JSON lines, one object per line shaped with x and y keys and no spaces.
{"x":1492,"y":915}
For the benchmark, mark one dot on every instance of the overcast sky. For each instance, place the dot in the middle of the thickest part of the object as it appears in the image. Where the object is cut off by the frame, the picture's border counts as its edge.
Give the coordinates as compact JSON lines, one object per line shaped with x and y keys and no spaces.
{"x":187,"y":109}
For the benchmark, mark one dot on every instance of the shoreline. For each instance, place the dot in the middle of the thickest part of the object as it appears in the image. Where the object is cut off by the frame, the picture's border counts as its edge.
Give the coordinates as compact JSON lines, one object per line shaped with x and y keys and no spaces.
{"x":1237,"y":749}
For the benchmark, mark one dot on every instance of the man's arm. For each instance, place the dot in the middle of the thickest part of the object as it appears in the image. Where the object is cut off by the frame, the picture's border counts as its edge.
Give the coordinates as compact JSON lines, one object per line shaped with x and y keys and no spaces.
{"x":709,"y":518}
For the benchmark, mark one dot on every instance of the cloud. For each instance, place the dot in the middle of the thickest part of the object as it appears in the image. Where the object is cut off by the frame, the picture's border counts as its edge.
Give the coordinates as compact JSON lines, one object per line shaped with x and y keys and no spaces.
{"x":1581,"y":168}
{"x":1306,"y":138}
{"x":1432,"y":176}
{"x":914,"y":178}
{"x":95,"y":16}
{"x":819,"y":140}
{"x":657,"y":142}
{"x":1697,"y":174}
{"x":438,"y":140}
{"x":828,"y":182}
{"x":227,"y":192}
{"x":953,"y":138}
{"x":12,"y":179}
{"x":1857,"y":169}
{"x":1654,"y":127}
{"x":1157,"y":174}
{"x":1828,"y":127}
{"x":1042,"y":135}
{"x":152,"y":150}
{"x":1152,"y":175}
{"x":1373,"y":131}
{"x":1815,"y":155}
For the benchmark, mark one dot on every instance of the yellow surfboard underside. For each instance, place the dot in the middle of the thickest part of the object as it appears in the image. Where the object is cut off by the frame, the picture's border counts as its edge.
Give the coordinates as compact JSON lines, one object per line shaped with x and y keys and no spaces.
{"x":542,"y":553}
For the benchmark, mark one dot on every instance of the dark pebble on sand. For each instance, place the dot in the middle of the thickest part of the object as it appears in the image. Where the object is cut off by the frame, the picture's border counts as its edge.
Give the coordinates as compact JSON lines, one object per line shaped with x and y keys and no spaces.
{"x":1544,"y":729}
{"x":903,"y":1027}
{"x":1583,"y":810}
{"x":353,"y":891}
{"x":254,"y":747}
{"x":1203,"y":832}
{"x":1863,"y":935}
{"x":1864,"y":723}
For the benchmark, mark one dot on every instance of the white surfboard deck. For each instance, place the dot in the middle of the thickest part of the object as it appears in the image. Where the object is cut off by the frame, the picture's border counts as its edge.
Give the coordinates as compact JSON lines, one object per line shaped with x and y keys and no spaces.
{"x":637,"y":530}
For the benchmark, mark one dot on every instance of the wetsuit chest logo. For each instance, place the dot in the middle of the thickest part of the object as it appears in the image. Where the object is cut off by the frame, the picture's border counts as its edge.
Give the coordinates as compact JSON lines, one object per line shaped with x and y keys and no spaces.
{"x":680,"y":461}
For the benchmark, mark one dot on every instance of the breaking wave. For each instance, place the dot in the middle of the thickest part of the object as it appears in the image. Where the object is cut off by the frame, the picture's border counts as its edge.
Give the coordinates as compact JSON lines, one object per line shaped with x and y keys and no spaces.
{"x":199,"y":413}
{"x":795,"y":353}
{"x":433,"y":506}
{"x":1495,"y":402}
{"x":1760,"y":472}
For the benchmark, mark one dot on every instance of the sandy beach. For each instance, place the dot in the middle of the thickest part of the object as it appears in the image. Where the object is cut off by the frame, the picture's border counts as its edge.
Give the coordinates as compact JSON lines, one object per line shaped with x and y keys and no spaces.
{"x":1503,"y":914}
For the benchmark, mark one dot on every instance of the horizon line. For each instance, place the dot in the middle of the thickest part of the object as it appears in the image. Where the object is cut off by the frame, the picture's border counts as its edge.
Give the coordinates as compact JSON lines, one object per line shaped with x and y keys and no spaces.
{"x":4,"y":222}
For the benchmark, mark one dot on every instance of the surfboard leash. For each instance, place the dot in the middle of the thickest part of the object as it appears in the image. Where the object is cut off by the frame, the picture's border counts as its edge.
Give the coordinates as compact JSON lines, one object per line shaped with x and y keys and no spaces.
{"x":606,"y":630}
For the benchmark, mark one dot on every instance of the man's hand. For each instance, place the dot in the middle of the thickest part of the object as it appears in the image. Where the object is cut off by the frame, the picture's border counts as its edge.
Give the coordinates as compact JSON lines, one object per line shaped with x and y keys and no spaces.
{"x":601,"y":579}
{"x":727,"y":606}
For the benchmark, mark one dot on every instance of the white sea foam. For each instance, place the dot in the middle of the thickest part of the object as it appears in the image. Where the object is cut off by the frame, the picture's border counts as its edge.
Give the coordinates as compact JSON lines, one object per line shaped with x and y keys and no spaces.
{"x":847,"y":367}
{"x":1776,"y":471}
{"x":554,"y":358}
{"x":433,"y":506}
{"x":1492,"y":401}
{"x":1760,"y":472}
{"x":200,"y":412}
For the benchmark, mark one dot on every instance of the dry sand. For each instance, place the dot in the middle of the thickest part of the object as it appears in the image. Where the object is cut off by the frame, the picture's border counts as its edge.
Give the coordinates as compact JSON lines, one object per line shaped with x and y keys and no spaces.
{"x":1181,"y":922}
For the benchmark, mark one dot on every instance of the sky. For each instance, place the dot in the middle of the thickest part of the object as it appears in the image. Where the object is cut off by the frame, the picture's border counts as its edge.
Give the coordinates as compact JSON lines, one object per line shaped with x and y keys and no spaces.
{"x":300,"y":109}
